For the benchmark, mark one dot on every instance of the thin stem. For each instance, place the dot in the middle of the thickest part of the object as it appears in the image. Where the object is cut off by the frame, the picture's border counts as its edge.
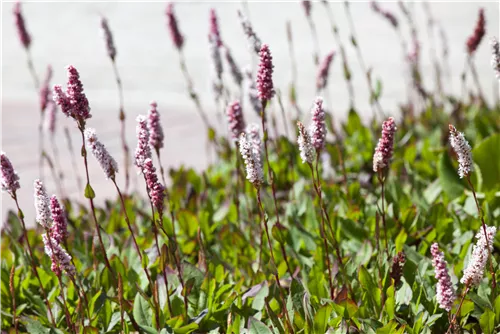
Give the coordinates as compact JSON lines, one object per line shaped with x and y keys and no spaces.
{"x":452,"y":322}
{"x":382,"y":185}
{"x":476,"y":78}
{"x":120,"y":301}
{"x":40,"y":146}
{"x":66,"y":311}
{"x":162,"y":171}
{"x":271,"y":178}
{"x":31,"y":68}
{"x":481,"y":216}
{"x":57,"y":163}
{"x":275,"y":268}
{"x":79,"y":286}
{"x":13,"y":295}
{"x":122,"y":116}
{"x":92,"y":207}
{"x":33,"y":265}
{"x":325,"y":241}
{"x":177,"y":257}
{"x":73,"y":160}
{"x":314,"y":35}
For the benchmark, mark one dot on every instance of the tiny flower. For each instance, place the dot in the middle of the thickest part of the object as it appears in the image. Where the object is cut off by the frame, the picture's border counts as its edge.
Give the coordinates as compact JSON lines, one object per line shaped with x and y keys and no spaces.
{"x":214,"y":28}
{"x":10,"y":180}
{"x":324,"y":69}
{"x":388,"y":15}
{"x":62,"y":100}
{"x":154,"y":126}
{"x":22,"y":32}
{"x":108,"y":38}
{"x":318,"y":126}
{"x":156,"y":189}
{"x":175,"y":33}
{"x":384,"y":149}
{"x":265,"y":74}
{"x":463,"y":150}
{"x":235,"y":119}
{"x":45,"y":90}
{"x":106,"y":161}
{"x":479,"y":32}
{"x":143,"y":150}
{"x":42,"y":205}
{"x":445,"y":293}
{"x":252,"y":161}
{"x":495,"y":56}
{"x":253,"y":39}
{"x":473,"y":273}
{"x":233,"y":67}
{"x":306,"y":148}
{"x":77,"y":98}
{"x":61,"y":260}
{"x":59,"y":228}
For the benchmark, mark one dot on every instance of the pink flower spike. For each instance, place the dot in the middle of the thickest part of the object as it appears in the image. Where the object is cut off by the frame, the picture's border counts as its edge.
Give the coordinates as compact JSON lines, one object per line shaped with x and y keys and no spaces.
{"x":474,"y":272}
{"x":77,"y":98}
{"x":479,"y":32}
{"x":214,"y":28}
{"x":143,"y":150}
{"x":463,"y":150}
{"x":61,"y":260}
{"x":22,"y":32}
{"x":154,"y":126}
{"x":59,"y":230}
{"x":445,"y":292}
{"x":235,"y":119}
{"x":45,"y":90}
{"x":9,"y":180}
{"x":384,"y":149}
{"x":62,"y":100}
{"x":155,"y":188}
{"x":307,"y":7}
{"x":318,"y":126}
{"x":42,"y":205}
{"x":51,"y":120}
{"x":265,"y":74}
{"x":106,"y":161}
{"x":324,"y":69}
{"x":175,"y":34}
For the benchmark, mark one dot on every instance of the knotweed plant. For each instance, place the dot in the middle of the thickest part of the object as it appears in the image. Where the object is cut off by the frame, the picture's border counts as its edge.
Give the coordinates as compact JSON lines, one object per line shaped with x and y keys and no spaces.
{"x":471,"y":46}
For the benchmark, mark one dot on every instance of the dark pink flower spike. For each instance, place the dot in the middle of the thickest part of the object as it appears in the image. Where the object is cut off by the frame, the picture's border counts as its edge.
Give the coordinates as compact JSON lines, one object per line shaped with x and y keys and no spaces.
{"x":445,"y":292}
{"x":235,"y":119}
{"x":214,"y":28}
{"x":108,"y":38}
{"x":307,"y":7}
{"x":59,"y":229}
{"x":154,"y":126}
{"x":318,"y":126}
{"x":156,"y":189}
{"x":324,"y":69}
{"x":143,"y":150}
{"x":265,"y":74}
{"x":77,"y":98}
{"x":173,"y":27}
{"x":479,"y":32}
{"x":22,"y":32}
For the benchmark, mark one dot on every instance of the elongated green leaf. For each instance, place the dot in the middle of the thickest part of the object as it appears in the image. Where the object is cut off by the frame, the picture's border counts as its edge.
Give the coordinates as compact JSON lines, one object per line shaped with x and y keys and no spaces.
{"x":257,"y":327}
{"x":142,"y":311}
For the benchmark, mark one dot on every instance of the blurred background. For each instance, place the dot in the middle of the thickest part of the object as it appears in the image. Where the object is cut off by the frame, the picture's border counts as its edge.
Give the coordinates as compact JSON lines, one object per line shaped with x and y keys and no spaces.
{"x":70,"y":33}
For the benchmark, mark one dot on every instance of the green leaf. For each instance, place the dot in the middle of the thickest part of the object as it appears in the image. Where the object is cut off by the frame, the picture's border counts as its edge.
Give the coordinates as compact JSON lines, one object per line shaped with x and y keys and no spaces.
{"x":321,"y":318}
{"x":89,"y":192}
{"x":34,"y":326}
{"x":448,"y":177}
{"x":257,"y":327}
{"x":487,"y":321}
{"x":142,"y":311}
{"x":487,"y":155}
{"x":186,"y":329}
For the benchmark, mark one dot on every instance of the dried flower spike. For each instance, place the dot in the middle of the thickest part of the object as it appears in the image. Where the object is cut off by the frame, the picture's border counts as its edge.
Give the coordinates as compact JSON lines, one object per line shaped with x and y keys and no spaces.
{"x":306,"y":148}
{"x":22,"y":32}
{"x":143,"y":150}
{"x":474,"y":272}
{"x":154,"y":126}
{"x":265,"y":74}
{"x":108,"y":38}
{"x":252,"y":160}
{"x":324,"y":69}
{"x":59,"y":229}
{"x":495,"y":56}
{"x":445,"y":292}
{"x":10,"y":180}
{"x":106,"y":161}
{"x":318,"y":126}
{"x":173,"y":27}
{"x":45,"y":90}
{"x":235,"y":119}
{"x":463,"y":150}
{"x":42,"y":205}
{"x":156,"y":189}
{"x":479,"y":32}
{"x":398,"y":263}
{"x":307,"y":7}
{"x":384,"y":149}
